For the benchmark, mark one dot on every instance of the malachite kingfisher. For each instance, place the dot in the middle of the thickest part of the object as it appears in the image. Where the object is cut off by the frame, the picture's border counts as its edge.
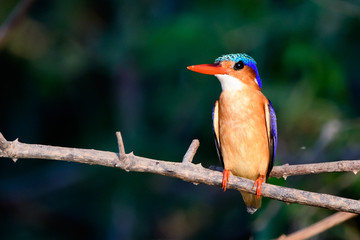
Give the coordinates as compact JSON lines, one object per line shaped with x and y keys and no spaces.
{"x":244,"y":123}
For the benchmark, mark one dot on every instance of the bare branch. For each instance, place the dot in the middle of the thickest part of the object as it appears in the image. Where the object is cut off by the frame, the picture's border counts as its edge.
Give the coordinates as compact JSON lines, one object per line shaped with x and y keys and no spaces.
{"x":120,"y":145}
{"x":315,"y":168}
{"x":319,"y":227}
{"x":188,"y":172}
{"x":287,"y":170}
{"x":14,"y":19}
{"x":190,"y":153}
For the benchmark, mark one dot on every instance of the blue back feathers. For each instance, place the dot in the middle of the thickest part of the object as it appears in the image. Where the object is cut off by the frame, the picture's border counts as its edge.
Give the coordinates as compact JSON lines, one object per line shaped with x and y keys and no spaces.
{"x":273,"y":128}
{"x":246,"y":59}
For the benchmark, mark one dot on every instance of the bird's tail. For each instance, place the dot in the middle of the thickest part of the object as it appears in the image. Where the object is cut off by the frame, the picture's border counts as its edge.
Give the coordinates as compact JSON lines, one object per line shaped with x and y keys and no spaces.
{"x":251,"y":202}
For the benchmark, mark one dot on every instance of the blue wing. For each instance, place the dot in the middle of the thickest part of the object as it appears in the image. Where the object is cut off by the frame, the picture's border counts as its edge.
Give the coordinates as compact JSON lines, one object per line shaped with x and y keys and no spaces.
{"x":272,"y":138}
{"x":215,"y":119}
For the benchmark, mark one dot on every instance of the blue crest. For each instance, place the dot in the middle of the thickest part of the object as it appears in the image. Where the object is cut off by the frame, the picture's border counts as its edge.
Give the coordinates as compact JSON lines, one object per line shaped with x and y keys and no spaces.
{"x":247,"y":60}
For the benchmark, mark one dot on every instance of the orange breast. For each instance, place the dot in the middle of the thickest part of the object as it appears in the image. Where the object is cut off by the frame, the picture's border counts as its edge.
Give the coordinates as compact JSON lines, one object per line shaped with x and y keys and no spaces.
{"x":243,"y":133}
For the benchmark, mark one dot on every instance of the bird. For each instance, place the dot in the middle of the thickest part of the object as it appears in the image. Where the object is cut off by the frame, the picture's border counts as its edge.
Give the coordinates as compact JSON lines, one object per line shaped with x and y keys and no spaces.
{"x":244,"y":123}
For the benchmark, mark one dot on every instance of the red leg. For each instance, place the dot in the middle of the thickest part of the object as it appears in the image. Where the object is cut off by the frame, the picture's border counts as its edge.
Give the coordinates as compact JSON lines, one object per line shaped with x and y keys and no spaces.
{"x":225,"y":178}
{"x":258,"y":183}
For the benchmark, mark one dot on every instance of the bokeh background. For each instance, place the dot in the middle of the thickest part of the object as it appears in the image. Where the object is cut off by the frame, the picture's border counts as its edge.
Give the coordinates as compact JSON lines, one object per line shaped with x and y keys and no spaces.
{"x":74,"y":72}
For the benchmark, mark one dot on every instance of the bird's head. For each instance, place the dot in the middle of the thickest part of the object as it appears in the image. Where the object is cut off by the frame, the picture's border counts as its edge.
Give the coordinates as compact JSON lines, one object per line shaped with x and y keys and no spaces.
{"x":234,"y":71}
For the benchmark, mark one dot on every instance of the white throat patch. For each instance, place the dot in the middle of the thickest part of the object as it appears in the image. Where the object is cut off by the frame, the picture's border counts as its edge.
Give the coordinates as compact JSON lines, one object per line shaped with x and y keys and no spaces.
{"x":229,"y":83}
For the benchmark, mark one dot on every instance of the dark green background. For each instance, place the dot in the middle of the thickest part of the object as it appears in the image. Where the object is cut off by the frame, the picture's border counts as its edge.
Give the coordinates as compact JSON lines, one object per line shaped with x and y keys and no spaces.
{"x":74,"y":72}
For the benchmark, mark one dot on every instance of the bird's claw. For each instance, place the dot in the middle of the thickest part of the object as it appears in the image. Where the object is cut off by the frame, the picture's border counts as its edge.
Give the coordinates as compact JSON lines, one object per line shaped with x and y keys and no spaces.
{"x":225,"y":179}
{"x":258,"y":183}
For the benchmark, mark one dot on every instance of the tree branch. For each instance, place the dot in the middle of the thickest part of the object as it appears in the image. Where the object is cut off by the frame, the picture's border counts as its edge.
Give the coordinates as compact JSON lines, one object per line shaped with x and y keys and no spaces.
{"x":13,"y":20}
{"x":186,"y":171}
{"x":315,"y":168}
{"x":319,"y":227}
{"x":286,"y":170}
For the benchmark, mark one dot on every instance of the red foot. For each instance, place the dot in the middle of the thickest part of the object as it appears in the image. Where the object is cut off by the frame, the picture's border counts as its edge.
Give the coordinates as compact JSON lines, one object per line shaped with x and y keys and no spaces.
{"x":225,"y":178}
{"x":258,"y":183}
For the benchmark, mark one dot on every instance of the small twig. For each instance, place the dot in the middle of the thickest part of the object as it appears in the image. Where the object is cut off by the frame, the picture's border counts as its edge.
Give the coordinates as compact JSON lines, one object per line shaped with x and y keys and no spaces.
{"x":319,"y":227}
{"x":120,"y":145}
{"x":14,"y":19}
{"x":190,"y":153}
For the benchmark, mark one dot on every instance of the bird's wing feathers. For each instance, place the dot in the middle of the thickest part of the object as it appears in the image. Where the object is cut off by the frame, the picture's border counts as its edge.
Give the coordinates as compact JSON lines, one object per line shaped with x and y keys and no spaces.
{"x":215,"y":118}
{"x":272,"y":134}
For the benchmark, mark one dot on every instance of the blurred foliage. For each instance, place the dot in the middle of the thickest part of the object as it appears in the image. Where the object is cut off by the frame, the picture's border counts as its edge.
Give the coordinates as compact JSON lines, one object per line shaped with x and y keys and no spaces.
{"x":74,"y":72}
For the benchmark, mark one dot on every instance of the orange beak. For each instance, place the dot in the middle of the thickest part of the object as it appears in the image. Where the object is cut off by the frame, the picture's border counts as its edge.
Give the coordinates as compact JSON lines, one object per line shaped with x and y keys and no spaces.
{"x":211,"y":69}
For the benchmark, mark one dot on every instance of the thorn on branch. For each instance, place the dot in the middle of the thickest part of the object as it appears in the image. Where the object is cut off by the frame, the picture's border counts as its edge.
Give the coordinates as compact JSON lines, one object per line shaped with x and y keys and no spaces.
{"x":8,"y":147}
{"x":4,"y":144}
{"x":190,"y":153}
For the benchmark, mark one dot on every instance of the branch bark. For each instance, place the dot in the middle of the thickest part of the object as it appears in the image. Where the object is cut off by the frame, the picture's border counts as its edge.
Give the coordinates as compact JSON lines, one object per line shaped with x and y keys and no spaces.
{"x":186,"y":171}
{"x":319,"y":227}
{"x":315,"y":168}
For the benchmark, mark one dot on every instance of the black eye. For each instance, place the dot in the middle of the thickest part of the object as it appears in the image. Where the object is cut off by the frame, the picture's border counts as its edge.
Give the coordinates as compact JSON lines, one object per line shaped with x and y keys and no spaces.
{"x":239,"y":65}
